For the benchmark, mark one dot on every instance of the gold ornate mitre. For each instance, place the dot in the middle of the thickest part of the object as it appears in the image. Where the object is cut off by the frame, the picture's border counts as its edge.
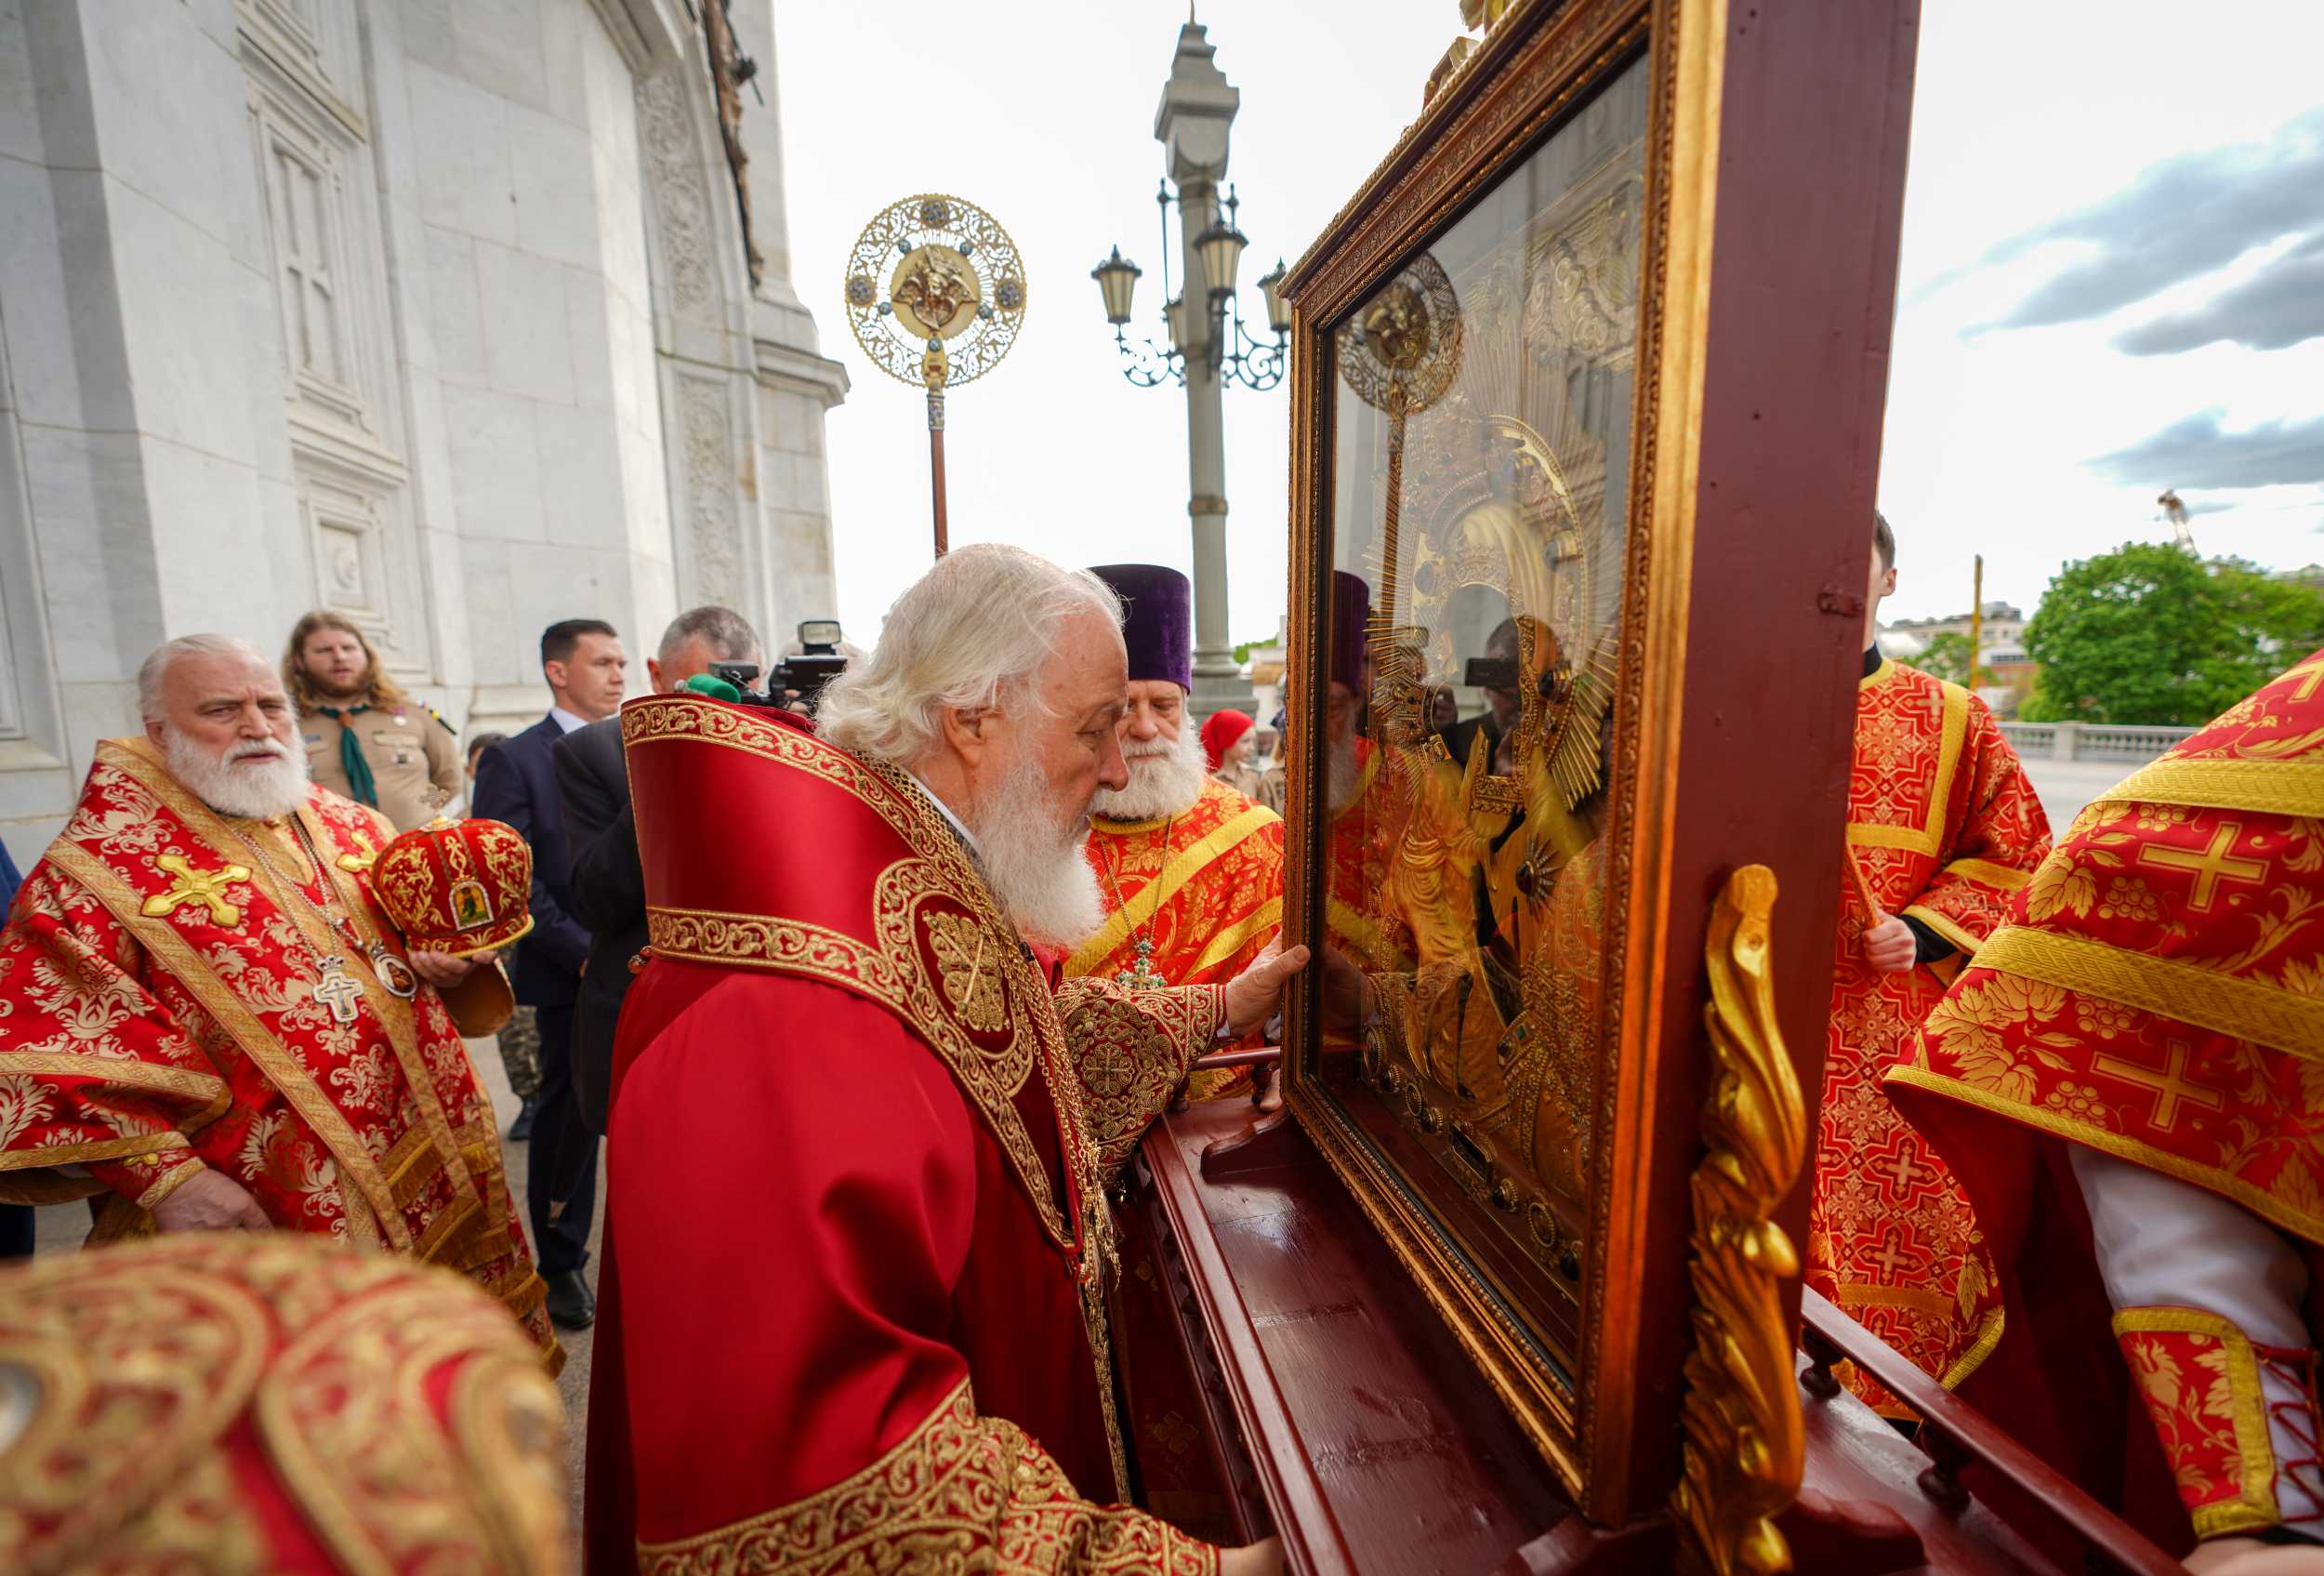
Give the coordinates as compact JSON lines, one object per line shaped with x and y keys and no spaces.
{"x":270,"y":1403}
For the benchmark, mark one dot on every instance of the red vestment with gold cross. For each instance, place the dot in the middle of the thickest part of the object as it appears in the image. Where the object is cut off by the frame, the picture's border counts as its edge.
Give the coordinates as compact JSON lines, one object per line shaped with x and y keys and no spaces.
{"x":2158,"y":994}
{"x":1943,"y":828}
{"x":159,"y":1014}
{"x":1204,"y":888}
{"x":857,"y":1239}
{"x":1360,"y":853}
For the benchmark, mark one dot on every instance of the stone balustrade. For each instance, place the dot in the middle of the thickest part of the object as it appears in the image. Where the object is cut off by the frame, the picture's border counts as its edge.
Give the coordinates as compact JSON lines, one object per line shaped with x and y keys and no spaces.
{"x":2131,"y":745}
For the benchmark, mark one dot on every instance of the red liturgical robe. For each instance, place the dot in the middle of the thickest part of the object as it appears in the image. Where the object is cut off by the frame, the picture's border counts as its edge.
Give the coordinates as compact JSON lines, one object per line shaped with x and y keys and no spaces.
{"x":1943,"y":828}
{"x":1203,"y":889}
{"x":2157,"y":994}
{"x":1361,"y":850}
{"x":163,"y":1010}
{"x":2159,"y":990}
{"x":856,"y":1238}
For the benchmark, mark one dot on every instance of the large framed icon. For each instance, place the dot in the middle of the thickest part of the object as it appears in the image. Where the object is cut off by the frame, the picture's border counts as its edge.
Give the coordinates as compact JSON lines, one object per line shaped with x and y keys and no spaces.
{"x":1588,"y":385}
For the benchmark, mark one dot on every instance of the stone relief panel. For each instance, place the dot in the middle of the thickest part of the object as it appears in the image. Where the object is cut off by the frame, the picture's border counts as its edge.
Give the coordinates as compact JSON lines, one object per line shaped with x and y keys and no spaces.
{"x":314,"y":43}
{"x":682,"y":199}
{"x":324,"y":254}
{"x":714,"y":530}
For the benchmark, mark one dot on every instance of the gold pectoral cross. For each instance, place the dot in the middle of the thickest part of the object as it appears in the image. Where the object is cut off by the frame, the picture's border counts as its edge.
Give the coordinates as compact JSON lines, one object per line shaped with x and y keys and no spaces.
{"x":205,"y":887}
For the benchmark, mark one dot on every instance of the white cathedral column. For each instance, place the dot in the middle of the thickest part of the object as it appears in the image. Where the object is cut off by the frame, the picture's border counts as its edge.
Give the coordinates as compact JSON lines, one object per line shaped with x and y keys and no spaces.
{"x":797,"y":382}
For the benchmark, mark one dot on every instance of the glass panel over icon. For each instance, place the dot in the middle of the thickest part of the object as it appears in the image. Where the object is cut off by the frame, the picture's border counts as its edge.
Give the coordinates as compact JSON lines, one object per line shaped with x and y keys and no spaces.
{"x":1481,"y":450}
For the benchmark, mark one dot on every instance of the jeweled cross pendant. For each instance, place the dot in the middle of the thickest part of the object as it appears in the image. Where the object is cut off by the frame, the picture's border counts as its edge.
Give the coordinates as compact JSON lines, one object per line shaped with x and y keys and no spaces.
{"x":205,"y":887}
{"x":1141,"y":975}
{"x":338,"y":990}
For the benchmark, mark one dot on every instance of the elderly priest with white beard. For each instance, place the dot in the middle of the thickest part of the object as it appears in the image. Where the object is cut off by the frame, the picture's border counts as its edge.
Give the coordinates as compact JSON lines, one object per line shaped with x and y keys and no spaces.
{"x":857,"y":1242}
{"x":1189,"y":869}
{"x":208,"y":1020}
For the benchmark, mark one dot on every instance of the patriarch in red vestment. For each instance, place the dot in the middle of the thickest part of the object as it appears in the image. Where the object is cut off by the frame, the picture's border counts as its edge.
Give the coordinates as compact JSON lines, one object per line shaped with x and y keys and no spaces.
{"x":216,"y":1403}
{"x":208,"y":1018}
{"x":857,"y":1244}
{"x":1190,"y":870}
{"x":1943,"y":829}
{"x":2153,"y":1007}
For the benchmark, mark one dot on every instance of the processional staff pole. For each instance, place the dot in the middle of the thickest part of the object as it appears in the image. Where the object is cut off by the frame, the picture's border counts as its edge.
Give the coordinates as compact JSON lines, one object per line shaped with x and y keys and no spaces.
{"x":947,"y":310}
{"x":935,"y":378}
{"x":1976,"y":615}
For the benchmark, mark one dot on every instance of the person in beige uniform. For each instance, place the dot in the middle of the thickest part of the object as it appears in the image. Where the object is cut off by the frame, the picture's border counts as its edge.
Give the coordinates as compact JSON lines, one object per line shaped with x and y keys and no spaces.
{"x":364,"y":737}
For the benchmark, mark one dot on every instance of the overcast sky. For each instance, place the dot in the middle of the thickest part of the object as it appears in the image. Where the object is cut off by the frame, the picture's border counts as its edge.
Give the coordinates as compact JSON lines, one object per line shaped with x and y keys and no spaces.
{"x":2113,"y":272}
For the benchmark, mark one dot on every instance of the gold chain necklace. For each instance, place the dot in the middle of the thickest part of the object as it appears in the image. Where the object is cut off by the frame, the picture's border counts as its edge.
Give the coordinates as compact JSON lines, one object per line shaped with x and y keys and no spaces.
{"x":335,"y":987}
{"x":1140,"y":976}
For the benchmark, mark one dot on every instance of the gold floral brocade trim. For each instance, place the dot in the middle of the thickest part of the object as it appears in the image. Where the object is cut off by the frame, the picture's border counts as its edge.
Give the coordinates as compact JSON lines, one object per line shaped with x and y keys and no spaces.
{"x":2245,"y":1009}
{"x":2209,"y":1412}
{"x":2269,"y":1206}
{"x":961,"y":1492}
{"x":2268,"y":787}
{"x":1953,"y":730}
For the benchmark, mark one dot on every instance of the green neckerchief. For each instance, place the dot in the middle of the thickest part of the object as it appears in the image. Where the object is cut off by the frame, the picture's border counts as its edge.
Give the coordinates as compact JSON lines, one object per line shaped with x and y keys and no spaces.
{"x":361,"y":787}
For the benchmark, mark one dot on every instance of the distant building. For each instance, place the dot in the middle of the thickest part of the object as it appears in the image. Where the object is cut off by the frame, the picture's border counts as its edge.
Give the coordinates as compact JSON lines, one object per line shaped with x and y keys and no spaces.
{"x":2000,"y":650}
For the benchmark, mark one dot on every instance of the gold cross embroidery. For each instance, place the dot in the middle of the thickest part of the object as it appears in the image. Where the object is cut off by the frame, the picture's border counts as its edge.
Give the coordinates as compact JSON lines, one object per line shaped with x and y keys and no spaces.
{"x":357,"y":863}
{"x":2310,"y":674}
{"x":2212,"y":866}
{"x":205,"y":887}
{"x":2171,"y":1087}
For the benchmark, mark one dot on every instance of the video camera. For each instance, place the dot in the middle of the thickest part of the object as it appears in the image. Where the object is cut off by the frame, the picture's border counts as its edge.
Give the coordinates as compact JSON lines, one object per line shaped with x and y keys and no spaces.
{"x":797,"y":682}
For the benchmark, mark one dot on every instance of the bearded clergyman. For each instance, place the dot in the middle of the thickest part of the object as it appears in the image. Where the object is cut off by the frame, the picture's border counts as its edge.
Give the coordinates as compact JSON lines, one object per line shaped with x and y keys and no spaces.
{"x":208,"y":1020}
{"x":844,"y":1051}
{"x":1190,"y":870}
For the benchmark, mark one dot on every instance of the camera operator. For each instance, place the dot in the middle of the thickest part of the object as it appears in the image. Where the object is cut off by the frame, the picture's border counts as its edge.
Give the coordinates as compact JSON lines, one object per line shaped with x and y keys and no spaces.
{"x":607,"y":886}
{"x":797,"y":684}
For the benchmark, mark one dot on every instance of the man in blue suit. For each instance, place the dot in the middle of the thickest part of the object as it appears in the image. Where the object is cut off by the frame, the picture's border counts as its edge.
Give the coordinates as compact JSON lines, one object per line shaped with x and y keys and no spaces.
{"x":516,"y":782}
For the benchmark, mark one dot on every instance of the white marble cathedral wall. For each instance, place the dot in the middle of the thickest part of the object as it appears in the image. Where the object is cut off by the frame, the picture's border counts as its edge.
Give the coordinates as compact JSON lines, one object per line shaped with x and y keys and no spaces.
{"x":433,"y":312}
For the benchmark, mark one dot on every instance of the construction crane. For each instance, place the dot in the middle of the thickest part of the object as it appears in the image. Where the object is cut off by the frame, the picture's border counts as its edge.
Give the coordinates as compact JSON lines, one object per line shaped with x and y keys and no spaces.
{"x":2175,"y":512}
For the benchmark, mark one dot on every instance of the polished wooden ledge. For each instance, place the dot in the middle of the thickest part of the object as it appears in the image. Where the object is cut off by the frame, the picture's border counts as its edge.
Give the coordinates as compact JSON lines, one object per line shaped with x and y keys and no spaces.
{"x":1353,"y":1426}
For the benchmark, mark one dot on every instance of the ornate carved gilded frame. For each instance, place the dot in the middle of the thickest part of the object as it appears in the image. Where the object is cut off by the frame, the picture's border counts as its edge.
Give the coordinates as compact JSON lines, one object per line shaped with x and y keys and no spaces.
{"x":1541,"y":62}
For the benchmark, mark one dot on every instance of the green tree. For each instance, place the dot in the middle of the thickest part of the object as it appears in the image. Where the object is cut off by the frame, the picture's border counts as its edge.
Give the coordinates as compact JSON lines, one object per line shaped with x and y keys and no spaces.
{"x":1947,"y":656}
{"x":2151,"y":633}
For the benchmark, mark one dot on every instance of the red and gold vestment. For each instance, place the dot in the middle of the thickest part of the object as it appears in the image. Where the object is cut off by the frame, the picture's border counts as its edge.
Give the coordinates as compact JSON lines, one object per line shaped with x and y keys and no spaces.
{"x":219,"y":1401}
{"x":857,"y":1238}
{"x":158,"y":1015}
{"x":1360,"y":850}
{"x":2158,"y":994}
{"x":1943,"y":828}
{"x":1204,"y":888}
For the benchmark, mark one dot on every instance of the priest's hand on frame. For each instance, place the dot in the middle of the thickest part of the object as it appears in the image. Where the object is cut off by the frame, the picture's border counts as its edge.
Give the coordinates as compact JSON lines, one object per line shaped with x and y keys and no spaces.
{"x":1255,"y":1559}
{"x":1253,"y":995}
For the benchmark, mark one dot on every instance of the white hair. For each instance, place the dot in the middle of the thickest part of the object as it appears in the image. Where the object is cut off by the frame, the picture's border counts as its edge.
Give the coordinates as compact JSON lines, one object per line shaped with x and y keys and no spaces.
{"x":154,"y":670}
{"x":973,"y":631}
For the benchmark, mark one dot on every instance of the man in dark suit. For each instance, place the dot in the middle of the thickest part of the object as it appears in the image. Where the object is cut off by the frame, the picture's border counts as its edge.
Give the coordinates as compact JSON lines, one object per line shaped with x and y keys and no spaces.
{"x":608,"y":887}
{"x":516,"y":782}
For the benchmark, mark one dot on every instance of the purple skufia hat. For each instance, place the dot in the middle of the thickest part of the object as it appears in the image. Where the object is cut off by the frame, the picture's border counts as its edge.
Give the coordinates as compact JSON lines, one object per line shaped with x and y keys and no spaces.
{"x":1350,"y":608}
{"x":1157,"y":621}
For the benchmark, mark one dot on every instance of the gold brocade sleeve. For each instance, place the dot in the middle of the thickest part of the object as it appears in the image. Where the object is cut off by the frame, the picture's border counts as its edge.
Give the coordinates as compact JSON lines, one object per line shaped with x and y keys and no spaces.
{"x":962,"y":1492}
{"x":1132,"y":1047}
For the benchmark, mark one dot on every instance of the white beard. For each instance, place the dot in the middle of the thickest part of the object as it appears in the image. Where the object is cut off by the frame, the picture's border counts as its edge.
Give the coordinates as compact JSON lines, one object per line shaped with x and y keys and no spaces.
{"x":1343,"y":775}
{"x":1165,"y":779}
{"x":256,"y":792}
{"x":1035,"y":866}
